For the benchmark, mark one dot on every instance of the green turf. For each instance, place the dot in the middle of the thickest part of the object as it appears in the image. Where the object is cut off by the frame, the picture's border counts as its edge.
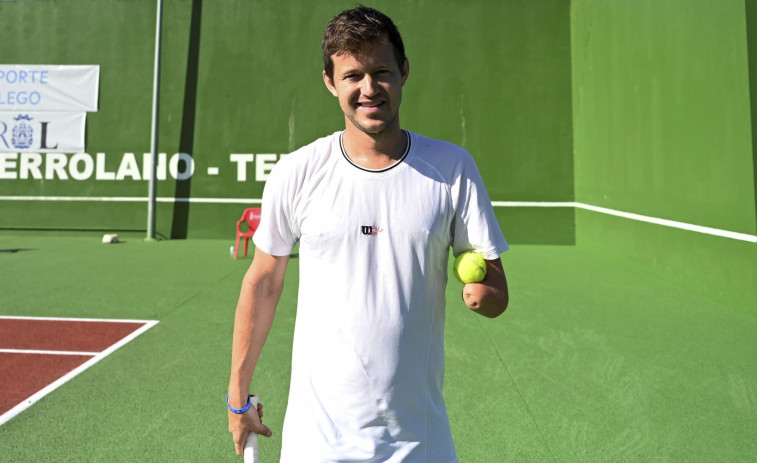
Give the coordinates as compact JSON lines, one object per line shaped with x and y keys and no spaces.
{"x":593,"y":361}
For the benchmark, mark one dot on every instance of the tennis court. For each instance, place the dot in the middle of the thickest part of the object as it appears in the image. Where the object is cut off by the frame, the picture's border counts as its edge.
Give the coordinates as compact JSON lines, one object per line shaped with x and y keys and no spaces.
{"x":617,"y":144}
{"x":595,"y":360}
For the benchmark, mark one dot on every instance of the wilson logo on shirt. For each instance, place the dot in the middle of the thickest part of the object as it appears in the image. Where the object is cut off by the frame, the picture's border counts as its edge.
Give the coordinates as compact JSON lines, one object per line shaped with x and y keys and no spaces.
{"x":370,"y":230}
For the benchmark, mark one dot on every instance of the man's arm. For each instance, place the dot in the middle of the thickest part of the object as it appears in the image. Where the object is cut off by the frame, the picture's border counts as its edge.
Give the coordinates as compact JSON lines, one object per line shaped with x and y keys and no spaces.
{"x":261,"y":289}
{"x":490,"y":296}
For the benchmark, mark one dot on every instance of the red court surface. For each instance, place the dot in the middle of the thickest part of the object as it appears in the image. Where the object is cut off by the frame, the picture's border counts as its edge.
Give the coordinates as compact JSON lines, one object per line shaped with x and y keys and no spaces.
{"x":25,"y":374}
{"x":38,"y":355}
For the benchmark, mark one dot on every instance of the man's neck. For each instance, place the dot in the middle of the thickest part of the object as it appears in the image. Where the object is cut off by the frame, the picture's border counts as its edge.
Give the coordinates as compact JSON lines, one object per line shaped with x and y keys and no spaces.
{"x":374,"y":151}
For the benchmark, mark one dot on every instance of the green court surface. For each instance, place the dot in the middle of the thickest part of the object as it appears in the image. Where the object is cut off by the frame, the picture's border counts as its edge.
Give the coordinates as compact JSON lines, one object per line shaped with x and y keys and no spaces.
{"x":595,"y":360}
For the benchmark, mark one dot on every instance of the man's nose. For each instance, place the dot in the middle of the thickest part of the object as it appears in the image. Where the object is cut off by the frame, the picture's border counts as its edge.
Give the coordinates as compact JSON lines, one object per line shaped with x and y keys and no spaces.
{"x":369,"y":86}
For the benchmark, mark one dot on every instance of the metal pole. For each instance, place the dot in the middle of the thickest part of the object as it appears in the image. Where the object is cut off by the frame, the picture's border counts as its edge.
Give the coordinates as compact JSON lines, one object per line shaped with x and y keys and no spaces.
{"x":153,"y":185}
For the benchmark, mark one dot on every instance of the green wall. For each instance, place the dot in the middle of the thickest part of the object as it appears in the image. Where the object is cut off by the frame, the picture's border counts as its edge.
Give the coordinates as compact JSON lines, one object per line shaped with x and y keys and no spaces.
{"x":636,"y":105}
{"x":244,"y":77}
{"x":661,"y":110}
{"x":661,"y":107}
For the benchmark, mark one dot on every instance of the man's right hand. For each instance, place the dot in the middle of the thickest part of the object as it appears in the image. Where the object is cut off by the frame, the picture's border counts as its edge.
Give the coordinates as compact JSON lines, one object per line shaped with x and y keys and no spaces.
{"x":240,"y":426}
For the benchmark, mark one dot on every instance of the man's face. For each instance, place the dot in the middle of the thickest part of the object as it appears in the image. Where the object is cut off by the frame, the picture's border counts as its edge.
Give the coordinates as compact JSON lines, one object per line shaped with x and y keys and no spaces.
{"x":369,"y":87}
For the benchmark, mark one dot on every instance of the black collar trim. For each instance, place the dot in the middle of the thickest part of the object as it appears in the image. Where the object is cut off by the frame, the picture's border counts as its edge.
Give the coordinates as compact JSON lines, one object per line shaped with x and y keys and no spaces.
{"x":399,"y":161}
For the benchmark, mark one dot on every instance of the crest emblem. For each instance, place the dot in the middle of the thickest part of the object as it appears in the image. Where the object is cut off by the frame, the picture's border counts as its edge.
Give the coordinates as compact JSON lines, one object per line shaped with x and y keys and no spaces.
{"x":23,"y":133}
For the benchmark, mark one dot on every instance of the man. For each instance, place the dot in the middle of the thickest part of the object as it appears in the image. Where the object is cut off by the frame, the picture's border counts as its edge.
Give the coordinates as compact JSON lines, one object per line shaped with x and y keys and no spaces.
{"x":375,"y":210}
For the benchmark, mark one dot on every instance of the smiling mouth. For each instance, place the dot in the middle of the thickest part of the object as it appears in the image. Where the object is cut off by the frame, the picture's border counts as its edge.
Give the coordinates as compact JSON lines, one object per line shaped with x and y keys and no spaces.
{"x":370,"y":105}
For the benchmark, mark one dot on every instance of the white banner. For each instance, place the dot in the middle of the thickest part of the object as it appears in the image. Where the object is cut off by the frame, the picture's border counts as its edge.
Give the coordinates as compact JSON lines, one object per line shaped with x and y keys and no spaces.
{"x":48,"y":88}
{"x":42,"y":132}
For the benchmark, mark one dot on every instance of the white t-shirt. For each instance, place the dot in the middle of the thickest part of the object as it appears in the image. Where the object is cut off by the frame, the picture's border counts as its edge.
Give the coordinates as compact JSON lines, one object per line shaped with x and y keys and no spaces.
{"x":368,"y":353}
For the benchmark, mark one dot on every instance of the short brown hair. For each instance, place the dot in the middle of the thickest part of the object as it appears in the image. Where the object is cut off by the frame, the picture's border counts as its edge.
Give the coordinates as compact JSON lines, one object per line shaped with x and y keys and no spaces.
{"x":354,"y":31}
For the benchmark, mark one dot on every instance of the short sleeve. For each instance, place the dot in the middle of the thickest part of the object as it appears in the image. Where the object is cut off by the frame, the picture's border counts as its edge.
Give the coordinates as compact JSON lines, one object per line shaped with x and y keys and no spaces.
{"x":277,"y":232}
{"x":475,"y":226}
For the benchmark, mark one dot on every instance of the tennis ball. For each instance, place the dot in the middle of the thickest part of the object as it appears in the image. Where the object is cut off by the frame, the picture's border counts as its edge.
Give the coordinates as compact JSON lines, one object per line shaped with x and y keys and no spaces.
{"x":469,"y":267}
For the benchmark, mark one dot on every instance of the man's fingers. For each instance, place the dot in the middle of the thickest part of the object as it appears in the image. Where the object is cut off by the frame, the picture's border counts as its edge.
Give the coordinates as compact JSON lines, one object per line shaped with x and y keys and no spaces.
{"x":241,"y":426}
{"x":239,"y":444}
{"x":256,"y":425}
{"x":260,"y":428}
{"x":266,"y":432}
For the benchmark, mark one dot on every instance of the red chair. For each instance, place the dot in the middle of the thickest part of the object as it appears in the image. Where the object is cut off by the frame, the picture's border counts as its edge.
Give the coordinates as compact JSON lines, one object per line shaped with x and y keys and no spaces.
{"x":250,"y":216}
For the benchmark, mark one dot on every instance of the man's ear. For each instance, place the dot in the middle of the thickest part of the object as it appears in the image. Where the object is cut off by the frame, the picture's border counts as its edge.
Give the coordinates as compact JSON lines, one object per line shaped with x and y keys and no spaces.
{"x":329,"y":83}
{"x":405,"y":71}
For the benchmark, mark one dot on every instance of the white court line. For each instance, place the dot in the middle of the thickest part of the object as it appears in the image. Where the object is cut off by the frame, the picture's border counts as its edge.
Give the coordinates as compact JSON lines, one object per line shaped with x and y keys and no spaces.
{"x":64,"y":319}
{"x":588,"y":207}
{"x":46,"y":352}
{"x":34,"y":398}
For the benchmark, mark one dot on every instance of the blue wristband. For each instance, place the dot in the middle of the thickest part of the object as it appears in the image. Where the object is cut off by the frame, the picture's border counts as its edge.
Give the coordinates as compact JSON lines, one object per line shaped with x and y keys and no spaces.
{"x":239,"y":411}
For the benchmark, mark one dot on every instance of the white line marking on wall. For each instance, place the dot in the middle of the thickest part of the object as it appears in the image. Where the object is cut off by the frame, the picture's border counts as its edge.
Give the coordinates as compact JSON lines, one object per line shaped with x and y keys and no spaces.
{"x":132,"y":199}
{"x":546,"y":204}
{"x":532,"y":204}
{"x":671,"y":223}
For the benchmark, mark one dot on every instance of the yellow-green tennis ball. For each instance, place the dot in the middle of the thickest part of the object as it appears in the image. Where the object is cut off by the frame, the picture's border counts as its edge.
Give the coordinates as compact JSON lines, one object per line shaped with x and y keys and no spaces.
{"x":469,"y":267}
